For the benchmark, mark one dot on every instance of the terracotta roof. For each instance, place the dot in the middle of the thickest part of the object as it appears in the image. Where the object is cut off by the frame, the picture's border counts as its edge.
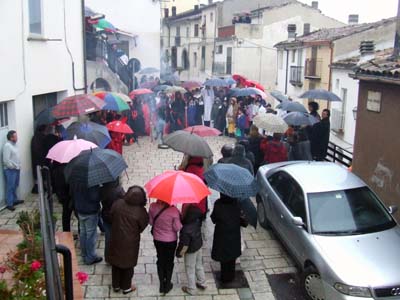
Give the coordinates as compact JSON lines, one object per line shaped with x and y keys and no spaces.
{"x":332,"y":34}
{"x":383,"y":66}
{"x":351,"y":62}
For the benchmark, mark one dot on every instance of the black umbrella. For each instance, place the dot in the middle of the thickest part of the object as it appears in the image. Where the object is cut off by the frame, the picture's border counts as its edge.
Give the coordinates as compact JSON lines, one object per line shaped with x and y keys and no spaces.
{"x":94,"y":167}
{"x":279,"y":96}
{"x":45,"y":117}
{"x":188,"y":143}
{"x":321,"y":94}
{"x":89,"y":131}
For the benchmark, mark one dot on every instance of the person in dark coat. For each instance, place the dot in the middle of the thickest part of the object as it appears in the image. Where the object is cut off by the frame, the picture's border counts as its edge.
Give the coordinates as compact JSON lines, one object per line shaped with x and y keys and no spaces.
{"x":189,"y":247}
{"x":191,"y":113}
{"x":226,"y":152}
{"x":254,"y":146}
{"x":226,"y":247}
{"x":300,"y":148}
{"x":239,"y":158}
{"x":38,"y":152}
{"x":109,"y":194}
{"x":249,"y":155}
{"x":220,"y":123}
{"x":129,"y":218}
{"x":320,"y":137}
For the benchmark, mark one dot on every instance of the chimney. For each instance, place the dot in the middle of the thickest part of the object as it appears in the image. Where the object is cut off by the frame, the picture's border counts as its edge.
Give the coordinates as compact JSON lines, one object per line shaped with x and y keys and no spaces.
{"x":166,"y":12}
{"x":173,"y":11}
{"x":353,"y":19}
{"x":307,"y":28}
{"x":367,"y":51}
{"x":291,"y":28}
{"x":196,"y":7}
{"x":396,"y":48}
{"x":314,"y":4}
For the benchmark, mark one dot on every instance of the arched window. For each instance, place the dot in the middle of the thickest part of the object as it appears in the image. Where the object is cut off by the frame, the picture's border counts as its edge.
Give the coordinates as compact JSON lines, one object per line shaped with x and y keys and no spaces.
{"x":100,"y":84}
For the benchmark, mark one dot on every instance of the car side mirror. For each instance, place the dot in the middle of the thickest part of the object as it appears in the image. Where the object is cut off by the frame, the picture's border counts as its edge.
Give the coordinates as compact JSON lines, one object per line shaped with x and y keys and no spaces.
{"x":298,"y":221}
{"x":393,"y":209}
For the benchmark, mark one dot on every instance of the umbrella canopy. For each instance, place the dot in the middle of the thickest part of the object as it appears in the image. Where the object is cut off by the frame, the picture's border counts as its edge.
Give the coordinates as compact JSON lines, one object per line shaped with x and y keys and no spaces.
{"x":279,"y":96}
{"x":293,"y":106}
{"x":321,"y":94}
{"x":239,"y":78}
{"x":64,"y":151}
{"x":270,"y":123}
{"x":94,"y":167}
{"x":103,"y":24}
{"x":217,"y":82}
{"x":191,"y":144}
{"x":230,"y":80}
{"x":148,"y":85}
{"x":190,"y":85}
{"x":139,"y":92}
{"x":249,"y":92}
{"x":102,"y":95}
{"x":231,"y":180}
{"x":298,"y":119}
{"x":160,"y":88}
{"x":177,"y":187}
{"x":255,"y":84}
{"x":115,"y":103}
{"x":89,"y":131}
{"x":203,"y":131}
{"x":119,"y":126}
{"x":170,"y":78}
{"x":174,"y":89}
{"x":149,"y":70}
{"x":77,"y":106}
{"x":46,"y":117}
{"x":89,"y":12}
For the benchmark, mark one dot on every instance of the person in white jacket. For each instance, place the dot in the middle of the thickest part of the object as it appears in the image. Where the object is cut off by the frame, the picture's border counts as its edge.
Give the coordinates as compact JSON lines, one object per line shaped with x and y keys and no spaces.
{"x":208,"y":98}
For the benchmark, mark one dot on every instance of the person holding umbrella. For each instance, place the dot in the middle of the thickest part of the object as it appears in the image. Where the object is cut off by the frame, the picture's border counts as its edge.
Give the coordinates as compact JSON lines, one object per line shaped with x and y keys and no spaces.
{"x":320,"y":137}
{"x":129,"y":219}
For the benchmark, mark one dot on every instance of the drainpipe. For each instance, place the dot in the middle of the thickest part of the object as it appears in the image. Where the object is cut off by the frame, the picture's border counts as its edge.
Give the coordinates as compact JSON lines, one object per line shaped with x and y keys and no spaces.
{"x":396,"y":49}
{"x":84,"y":45}
{"x":287,"y":70}
{"x":331,"y":47}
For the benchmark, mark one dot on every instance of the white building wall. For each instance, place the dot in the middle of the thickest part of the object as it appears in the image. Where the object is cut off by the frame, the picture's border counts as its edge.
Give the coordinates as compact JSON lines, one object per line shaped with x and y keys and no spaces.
{"x":33,"y":67}
{"x":138,"y":17}
{"x":341,"y":81}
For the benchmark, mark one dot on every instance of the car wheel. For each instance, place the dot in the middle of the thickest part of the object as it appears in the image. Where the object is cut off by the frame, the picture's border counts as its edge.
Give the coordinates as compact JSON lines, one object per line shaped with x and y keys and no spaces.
{"x":261,"y":215}
{"x":312,"y":284}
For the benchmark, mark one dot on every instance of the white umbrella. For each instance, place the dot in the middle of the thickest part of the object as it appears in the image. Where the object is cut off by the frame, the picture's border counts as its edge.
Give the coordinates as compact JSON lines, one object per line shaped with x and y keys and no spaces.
{"x":270,"y":123}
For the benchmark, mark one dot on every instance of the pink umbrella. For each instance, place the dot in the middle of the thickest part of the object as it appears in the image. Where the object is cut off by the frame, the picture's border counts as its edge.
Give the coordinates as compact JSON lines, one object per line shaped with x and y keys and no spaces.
{"x":65,"y":151}
{"x":177,"y":187}
{"x":203,"y":131}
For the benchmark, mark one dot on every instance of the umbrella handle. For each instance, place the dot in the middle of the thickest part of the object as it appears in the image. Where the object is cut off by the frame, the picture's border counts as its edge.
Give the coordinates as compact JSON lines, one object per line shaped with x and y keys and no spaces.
{"x":126,"y":173}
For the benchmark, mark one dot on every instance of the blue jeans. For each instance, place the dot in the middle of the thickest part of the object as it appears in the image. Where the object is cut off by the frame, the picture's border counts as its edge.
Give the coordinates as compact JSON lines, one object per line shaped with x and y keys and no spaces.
{"x":12,"y":182}
{"x":88,"y":236}
{"x":107,"y":236}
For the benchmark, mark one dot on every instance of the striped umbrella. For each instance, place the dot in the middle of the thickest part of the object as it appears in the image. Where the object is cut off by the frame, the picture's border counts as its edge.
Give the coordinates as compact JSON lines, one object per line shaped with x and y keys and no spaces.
{"x":78,"y":105}
{"x":113,"y":102}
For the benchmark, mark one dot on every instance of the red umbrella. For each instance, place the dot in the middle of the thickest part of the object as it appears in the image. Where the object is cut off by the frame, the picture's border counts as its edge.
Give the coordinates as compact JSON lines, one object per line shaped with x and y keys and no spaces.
{"x":77,"y":106}
{"x":190,"y":85}
{"x":253,"y":83}
{"x":239,"y":79}
{"x":138,"y":92}
{"x":119,"y":126}
{"x":177,"y":187}
{"x":203,"y":131}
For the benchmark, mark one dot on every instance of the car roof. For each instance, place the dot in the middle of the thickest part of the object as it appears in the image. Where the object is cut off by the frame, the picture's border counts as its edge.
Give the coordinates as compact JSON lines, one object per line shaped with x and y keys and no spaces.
{"x":316,"y":177}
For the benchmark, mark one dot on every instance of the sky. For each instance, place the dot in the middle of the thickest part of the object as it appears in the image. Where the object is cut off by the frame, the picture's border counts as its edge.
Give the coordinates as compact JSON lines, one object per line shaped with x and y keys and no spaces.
{"x":368,"y":10}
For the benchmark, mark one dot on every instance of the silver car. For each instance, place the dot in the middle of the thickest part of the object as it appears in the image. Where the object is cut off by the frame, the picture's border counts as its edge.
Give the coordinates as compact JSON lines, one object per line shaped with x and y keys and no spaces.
{"x":341,"y":236}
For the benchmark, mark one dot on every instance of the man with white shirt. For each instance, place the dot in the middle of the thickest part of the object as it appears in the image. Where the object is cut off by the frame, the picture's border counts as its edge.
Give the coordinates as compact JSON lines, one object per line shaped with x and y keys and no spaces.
{"x":12,"y":166}
{"x":208,"y":98}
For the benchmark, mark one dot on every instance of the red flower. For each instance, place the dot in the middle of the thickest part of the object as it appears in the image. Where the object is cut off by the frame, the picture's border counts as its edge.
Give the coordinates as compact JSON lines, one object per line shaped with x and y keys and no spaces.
{"x":36,"y":265}
{"x":82,"y":277}
{"x":3,"y":269}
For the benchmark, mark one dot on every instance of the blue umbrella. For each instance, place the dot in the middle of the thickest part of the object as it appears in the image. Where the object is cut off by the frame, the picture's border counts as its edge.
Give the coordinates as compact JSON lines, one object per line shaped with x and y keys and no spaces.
{"x":89,"y":131}
{"x":249,"y":92}
{"x":298,"y":119}
{"x":217,"y":82}
{"x":94,"y":167}
{"x":230,"y":80}
{"x":279,"y":96}
{"x":292,"y":106}
{"x":321,"y":94}
{"x":231,"y":180}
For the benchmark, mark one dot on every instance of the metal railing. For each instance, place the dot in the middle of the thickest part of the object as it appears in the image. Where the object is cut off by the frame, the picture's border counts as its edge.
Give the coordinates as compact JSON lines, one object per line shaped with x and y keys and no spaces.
{"x":296,"y":75}
{"x":339,"y":155}
{"x":54,"y":287}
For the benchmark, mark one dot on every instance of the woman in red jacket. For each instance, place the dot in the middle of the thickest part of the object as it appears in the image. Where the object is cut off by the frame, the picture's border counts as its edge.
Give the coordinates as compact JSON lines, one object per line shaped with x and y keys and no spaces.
{"x":274,"y":151}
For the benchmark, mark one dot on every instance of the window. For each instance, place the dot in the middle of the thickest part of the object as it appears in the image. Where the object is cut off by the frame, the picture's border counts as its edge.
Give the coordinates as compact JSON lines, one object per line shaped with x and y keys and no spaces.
{"x":187,"y":31}
{"x":195,"y":59}
{"x":35,"y":16}
{"x":203,"y":58}
{"x":293,"y":56}
{"x":178,"y":31}
{"x":196,"y":30}
{"x":185,"y":60}
{"x":220,"y":49}
{"x":3,"y":114}
{"x":212,"y":17}
{"x":280,"y":60}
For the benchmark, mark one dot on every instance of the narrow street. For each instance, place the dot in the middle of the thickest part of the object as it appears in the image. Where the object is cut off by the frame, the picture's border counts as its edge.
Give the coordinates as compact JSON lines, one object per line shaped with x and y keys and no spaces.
{"x":262,"y":253}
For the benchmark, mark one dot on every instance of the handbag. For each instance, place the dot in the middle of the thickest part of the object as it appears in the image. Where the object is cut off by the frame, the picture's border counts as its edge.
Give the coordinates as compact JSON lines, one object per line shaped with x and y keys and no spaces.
{"x":155,"y":219}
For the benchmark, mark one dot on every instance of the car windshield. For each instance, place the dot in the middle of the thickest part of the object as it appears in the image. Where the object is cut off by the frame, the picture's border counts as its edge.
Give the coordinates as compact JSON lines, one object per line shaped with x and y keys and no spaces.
{"x":354,"y":211}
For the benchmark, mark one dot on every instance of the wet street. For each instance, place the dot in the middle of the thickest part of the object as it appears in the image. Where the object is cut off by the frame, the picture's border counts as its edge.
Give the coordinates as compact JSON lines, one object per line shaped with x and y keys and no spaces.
{"x":262,"y":253}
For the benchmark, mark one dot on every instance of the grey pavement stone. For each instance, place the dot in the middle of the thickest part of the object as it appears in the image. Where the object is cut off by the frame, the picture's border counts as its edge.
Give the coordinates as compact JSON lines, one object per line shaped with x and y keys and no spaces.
{"x":226,"y":297}
{"x":97,"y":291}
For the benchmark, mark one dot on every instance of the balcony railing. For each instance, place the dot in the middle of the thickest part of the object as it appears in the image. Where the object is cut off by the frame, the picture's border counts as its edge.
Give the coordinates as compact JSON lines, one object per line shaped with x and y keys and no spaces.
{"x":313,"y":69}
{"x":296,"y":75}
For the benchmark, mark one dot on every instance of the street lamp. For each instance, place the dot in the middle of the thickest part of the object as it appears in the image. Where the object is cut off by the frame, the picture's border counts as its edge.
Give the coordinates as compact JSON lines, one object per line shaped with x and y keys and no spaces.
{"x":355,"y":112}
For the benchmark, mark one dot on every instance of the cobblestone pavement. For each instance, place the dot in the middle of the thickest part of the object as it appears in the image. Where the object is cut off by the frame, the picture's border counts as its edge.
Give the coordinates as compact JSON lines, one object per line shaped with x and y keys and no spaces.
{"x":262,"y":253}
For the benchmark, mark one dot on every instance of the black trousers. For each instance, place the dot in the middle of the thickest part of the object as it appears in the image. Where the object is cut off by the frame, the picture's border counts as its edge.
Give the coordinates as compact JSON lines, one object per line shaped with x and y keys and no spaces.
{"x":207,"y":123}
{"x":121,"y":278}
{"x":228,"y":271}
{"x":165,"y":261}
{"x":67,"y":211}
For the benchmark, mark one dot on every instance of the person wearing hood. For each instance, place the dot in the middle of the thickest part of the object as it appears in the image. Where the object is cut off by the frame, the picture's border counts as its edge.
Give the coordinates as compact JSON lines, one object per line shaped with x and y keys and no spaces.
{"x":226,"y":248}
{"x":190,"y":243}
{"x":275,"y":150}
{"x":129,"y":218}
{"x":239,"y":158}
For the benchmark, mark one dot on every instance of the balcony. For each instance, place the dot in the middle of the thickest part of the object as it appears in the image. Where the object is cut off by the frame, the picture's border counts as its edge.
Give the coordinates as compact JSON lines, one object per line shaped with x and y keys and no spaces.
{"x":313,"y":69}
{"x":296,"y":75}
{"x":177,"y":41}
